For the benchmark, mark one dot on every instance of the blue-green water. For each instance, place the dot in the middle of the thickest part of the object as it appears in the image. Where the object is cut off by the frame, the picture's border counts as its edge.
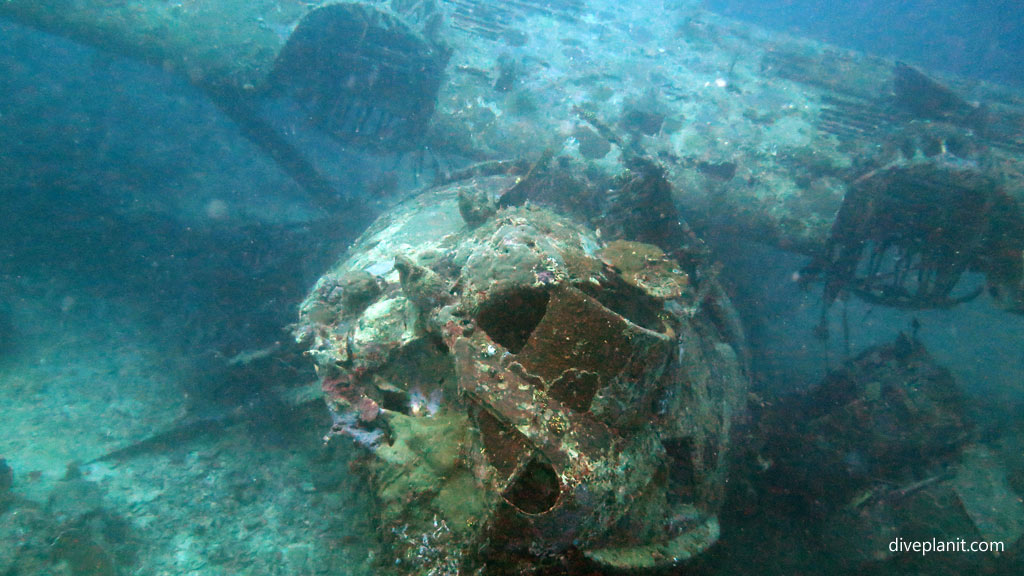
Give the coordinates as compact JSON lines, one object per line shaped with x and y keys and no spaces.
{"x":152,"y":258}
{"x":977,"y":39}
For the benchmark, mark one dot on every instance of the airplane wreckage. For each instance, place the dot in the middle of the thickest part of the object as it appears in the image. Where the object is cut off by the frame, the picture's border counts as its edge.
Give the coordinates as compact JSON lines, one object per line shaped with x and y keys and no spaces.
{"x":538,"y":356}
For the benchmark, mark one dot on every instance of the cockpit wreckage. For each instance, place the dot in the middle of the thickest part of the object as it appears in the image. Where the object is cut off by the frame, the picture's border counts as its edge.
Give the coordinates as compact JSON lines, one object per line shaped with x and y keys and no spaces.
{"x":535,"y":393}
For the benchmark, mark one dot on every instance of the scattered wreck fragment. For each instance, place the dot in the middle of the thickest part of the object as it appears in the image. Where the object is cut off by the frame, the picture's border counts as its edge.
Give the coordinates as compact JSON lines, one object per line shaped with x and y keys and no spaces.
{"x":906,"y":235}
{"x":942,"y":206}
{"x":365,"y":75}
{"x":360,"y":72}
{"x":883,"y":449}
{"x":888,"y":415}
{"x":921,"y":96}
{"x":532,"y":392}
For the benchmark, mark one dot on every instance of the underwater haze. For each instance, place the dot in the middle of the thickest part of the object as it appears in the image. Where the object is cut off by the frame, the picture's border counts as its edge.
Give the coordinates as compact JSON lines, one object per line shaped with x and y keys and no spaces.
{"x":543,"y":287}
{"x":983,"y":40}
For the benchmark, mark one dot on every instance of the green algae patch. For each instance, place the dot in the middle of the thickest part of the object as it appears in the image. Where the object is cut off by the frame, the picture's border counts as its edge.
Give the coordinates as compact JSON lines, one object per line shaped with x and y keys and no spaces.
{"x":424,"y":463}
{"x":426,"y":446}
{"x":463,"y":501}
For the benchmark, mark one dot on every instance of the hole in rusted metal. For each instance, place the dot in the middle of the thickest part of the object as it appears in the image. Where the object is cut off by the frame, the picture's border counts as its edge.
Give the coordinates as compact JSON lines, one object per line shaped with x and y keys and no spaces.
{"x":535,"y":490}
{"x":510,"y":317}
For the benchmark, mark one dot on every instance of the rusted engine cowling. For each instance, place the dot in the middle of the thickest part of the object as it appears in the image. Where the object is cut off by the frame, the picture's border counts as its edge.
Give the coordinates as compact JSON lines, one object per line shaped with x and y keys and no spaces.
{"x":529,"y":393}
